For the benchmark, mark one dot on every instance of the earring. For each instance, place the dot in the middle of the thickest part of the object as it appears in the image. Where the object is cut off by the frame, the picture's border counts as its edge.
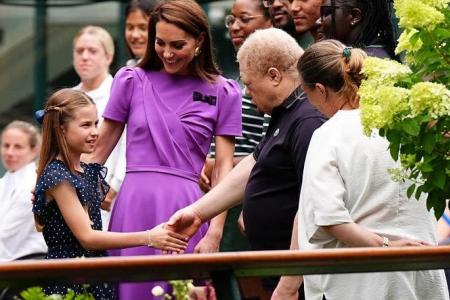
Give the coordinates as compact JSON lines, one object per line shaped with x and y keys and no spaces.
{"x":197,"y":51}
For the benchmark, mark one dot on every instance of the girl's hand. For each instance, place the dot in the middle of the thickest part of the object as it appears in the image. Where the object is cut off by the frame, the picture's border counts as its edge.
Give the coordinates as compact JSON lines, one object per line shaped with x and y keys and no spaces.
{"x":166,"y":240}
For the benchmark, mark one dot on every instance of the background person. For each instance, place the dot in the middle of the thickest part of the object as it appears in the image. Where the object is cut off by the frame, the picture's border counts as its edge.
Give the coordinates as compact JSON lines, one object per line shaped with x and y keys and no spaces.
{"x":348,"y":198}
{"x":20,"y":143}
{"x":304,"y":15}
{"x":280,"y":12}
{"x":137,"y":13}
{"x":365,"y":24}
{"x":93,"y":53}
{"x":173,"y":103}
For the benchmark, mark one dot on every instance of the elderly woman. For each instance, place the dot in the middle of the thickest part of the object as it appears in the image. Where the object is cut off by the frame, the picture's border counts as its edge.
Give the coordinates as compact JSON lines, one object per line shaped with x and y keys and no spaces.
{"x":270,"y":178}
{"x":348,"y":198}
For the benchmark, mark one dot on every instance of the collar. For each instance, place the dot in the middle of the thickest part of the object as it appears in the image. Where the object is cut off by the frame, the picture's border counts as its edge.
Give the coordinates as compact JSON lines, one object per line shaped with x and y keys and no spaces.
{"x":296,"y":95}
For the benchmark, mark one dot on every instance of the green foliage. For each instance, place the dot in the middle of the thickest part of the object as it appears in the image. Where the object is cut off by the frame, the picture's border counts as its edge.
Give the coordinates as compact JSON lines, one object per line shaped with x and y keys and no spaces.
{"x":36,"y":293}
{"x":410,"y":103}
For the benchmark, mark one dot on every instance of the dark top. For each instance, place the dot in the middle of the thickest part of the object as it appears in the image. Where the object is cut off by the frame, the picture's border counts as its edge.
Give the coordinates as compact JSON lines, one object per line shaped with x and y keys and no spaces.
{"x":273,"y":189}
{"x":91,"y":190}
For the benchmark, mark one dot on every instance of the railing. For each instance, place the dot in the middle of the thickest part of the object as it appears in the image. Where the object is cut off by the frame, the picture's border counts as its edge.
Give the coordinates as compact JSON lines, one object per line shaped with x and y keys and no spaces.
{"x":224,"y":268}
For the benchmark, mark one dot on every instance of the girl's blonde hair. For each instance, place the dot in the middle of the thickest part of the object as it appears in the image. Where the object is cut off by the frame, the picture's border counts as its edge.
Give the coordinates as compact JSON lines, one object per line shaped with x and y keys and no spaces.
{"x":102,"y":36}
{"x":60,"y":109}
{"x":27,"y":128}
{"x":335,"y":66}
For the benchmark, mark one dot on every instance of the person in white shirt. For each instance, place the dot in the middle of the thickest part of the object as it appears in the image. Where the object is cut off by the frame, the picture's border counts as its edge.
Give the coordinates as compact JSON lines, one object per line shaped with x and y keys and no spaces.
{"x":18,"y":236}
{"x":93,"y":52}
{"x":348,"y":198}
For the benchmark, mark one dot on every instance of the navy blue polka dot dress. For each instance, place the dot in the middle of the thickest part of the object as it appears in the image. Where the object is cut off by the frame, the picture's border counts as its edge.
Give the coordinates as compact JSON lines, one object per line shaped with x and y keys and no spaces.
{"x":91,"y":190}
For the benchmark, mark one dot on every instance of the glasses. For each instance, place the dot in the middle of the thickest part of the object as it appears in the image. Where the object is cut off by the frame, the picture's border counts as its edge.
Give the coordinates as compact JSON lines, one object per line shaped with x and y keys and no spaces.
{"x":327,"y":10}
{"x":243,"y":21}
{"x":269,"y":3}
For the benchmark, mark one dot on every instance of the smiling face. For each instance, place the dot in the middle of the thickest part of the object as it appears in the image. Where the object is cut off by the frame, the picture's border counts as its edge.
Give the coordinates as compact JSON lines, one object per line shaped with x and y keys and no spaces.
{"x":305,"y":14}
{"x":280,"y":13}
{"x":81,"y":131}
{"x":248,"y":17}
{"x":136,"y":32}
{"x":16,"y":149}
{"x":90,"y":59}
{"x":175,"y":48}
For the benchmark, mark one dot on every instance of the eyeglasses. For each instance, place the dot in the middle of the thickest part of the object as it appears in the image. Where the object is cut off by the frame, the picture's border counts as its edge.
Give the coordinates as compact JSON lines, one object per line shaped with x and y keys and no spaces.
{"x":269,"y":3}
{"x":326,"y":10}
{"x":243,"y":21}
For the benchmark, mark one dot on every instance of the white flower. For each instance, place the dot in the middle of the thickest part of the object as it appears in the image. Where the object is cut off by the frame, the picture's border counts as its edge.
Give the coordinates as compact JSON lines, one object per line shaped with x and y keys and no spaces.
{"x":157,"y":291}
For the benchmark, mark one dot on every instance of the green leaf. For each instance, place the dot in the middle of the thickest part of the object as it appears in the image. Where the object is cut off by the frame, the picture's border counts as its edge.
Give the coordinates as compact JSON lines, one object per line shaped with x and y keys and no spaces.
{"x":410,"y":190}
{"x":418,"y":192}
{"x":438,"y":179}
{"x":439,"y":207}
{"x":411,"y":127}
{"x":394,"y":149}
{"x":442,"y":32}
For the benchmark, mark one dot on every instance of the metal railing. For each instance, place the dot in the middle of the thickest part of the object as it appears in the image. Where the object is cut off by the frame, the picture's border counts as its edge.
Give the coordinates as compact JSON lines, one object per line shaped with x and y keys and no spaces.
{"x":223,"y":268}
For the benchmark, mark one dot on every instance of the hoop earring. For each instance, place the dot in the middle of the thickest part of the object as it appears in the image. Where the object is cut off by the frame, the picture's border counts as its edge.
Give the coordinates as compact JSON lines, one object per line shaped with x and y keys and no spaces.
{"x":197,"y":51}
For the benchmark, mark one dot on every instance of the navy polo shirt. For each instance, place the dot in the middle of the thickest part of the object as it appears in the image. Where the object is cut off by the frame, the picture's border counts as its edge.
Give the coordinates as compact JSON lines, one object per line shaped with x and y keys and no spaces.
{"x":272,"y":192}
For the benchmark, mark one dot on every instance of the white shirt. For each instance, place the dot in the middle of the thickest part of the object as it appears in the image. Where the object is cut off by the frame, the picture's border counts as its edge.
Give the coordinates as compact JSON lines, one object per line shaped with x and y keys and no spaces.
{"x":116,"y":162}
{"x":346,"y":179}
{"x":18,"y":235}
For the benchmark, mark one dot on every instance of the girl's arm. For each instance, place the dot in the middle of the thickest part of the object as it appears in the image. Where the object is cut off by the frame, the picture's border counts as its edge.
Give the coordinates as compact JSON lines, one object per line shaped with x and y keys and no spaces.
{"x":223,"y":165}
{"x":109,"y":134}
{"x":78,"y":221}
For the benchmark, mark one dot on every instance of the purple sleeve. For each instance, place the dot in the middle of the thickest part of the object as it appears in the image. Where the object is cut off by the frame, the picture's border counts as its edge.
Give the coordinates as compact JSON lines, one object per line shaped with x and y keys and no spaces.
{"x":229,"y":121}
{"x":119,"y":101}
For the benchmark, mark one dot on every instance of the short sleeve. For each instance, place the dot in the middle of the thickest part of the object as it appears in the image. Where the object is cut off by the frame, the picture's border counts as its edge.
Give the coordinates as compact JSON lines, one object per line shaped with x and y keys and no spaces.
{"x":96,"y":174}
{"x":323,"y":191}
{"x":54,"y":174}
{"x":229,"y":120}
{"x":118,"y":106}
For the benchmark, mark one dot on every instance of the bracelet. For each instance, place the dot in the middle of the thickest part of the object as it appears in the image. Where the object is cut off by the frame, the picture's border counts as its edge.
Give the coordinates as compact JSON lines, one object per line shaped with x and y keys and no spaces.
{"x":385,"y":242}
{"x":149,"y":239}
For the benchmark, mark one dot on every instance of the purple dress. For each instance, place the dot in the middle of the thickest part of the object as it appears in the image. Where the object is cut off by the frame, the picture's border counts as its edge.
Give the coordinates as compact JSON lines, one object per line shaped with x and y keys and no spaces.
{"x":171,"y":120}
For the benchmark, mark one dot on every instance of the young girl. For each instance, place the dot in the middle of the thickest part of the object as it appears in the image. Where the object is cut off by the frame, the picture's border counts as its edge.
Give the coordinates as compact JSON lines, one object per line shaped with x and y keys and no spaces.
{"x":69,"y":192}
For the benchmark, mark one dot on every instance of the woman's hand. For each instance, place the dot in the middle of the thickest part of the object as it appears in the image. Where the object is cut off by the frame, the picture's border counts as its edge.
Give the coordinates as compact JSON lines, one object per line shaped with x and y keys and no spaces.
{"x":210,"y":243}
{"x":162,"y":238}
{"x":109,"y":199}
{"x":205,"y":176}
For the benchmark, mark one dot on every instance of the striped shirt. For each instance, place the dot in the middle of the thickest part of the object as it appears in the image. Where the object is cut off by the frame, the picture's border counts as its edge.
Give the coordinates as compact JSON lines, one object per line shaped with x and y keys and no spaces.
{"x":254,"y":126}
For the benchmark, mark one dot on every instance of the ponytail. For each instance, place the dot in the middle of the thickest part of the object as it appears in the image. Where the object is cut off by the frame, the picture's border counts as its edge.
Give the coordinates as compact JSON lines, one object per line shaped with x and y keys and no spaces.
{"x":335,"y":66}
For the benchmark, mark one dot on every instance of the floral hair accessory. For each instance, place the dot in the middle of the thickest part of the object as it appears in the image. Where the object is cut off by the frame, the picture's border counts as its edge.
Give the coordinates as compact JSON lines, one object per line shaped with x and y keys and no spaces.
{"x":347,"y":52}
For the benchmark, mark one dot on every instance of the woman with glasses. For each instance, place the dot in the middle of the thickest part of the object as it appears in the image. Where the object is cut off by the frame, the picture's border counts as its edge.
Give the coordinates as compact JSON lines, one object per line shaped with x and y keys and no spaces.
{"x":366,"y":24}
{"x":246,"y":16}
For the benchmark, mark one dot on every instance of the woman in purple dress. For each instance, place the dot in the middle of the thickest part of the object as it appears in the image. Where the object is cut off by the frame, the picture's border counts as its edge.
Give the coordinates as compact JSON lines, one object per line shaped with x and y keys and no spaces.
{"x":173,"y":103}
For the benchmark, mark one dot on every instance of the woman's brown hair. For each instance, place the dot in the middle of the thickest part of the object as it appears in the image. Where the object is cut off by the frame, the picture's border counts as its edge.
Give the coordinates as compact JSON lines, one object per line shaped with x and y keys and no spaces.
{"x":327,"y":63}
{"x":190,"y":17}
{"x":60,"y":109}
